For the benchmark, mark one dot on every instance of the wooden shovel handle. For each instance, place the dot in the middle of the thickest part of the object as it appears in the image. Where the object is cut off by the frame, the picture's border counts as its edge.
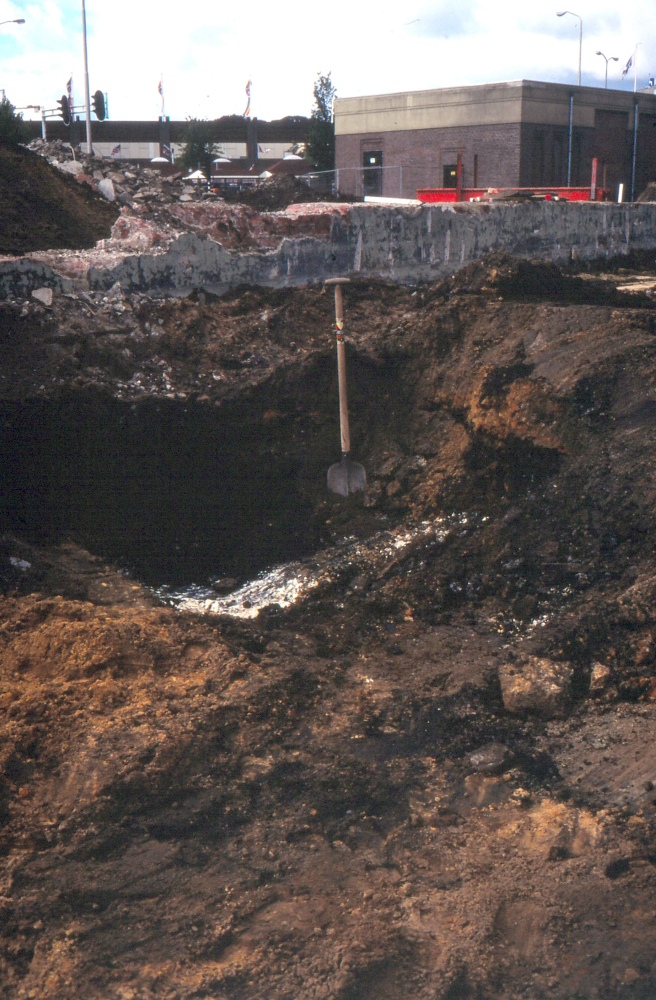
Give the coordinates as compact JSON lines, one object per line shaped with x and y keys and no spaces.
{"x":341,"y":372}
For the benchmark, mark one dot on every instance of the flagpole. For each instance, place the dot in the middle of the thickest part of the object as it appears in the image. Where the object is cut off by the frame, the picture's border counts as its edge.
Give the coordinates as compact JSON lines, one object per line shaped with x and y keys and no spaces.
{"x":635,"y":68}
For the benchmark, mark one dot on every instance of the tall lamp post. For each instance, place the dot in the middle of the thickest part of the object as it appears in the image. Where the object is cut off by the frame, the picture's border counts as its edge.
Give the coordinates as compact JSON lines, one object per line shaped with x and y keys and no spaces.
{"x":87,"y":98}
{"x":561,"y":13}
{"x":608,"y":59}
{"x":14,"y":20}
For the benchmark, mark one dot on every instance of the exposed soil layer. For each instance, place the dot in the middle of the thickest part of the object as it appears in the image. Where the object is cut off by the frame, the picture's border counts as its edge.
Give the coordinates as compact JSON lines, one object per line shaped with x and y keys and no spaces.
{"x":42,"y":209}
{"x":277,"y":193}
{"x":334,"y":801}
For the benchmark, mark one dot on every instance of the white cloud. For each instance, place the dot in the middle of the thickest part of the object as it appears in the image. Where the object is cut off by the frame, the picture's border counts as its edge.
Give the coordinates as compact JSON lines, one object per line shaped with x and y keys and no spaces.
{"x":207,"y":51}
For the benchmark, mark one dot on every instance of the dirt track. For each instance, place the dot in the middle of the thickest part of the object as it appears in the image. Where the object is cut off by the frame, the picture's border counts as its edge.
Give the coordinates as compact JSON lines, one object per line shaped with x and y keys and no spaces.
{"x":332,"y":801}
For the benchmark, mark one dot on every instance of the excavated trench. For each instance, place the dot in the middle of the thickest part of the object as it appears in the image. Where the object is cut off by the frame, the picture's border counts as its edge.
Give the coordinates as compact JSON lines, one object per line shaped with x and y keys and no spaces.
{"x":341,"y":801}
{"x":180,"y":493}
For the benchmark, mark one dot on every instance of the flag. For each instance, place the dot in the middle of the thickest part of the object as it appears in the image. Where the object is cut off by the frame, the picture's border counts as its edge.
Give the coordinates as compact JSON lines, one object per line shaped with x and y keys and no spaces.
{"x":651,"y":81}
{"x":160,"y":91}
{"x":116,"y":150}
{"x":165,"y":151}
{"x":248,"y":94}
{"x":69,"y":88}
{"x":628,"y":66}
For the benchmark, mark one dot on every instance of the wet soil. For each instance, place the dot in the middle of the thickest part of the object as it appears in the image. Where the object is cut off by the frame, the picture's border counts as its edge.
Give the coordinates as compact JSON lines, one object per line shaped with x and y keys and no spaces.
{"x":42,"y":209}
{"x":333,"y":800}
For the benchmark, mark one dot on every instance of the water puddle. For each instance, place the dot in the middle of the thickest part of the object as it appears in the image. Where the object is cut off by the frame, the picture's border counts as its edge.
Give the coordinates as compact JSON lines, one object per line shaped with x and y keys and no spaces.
{"x":290,"y":583}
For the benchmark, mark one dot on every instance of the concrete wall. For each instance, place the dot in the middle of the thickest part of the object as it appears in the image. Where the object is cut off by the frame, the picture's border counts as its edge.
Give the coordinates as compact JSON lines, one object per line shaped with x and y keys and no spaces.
{"x":402,"y":244}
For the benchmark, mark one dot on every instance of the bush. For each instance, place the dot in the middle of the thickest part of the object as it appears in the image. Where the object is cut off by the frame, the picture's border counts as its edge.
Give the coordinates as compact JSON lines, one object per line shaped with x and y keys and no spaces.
{"x":12,"y":127}
{"x":320,"y":147}
{"x":199,"y":149}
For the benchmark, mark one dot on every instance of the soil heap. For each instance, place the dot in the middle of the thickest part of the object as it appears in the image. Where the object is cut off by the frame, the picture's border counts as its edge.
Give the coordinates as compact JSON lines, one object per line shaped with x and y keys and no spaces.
{"x":41,"y":208}
{"x":432,"y":778}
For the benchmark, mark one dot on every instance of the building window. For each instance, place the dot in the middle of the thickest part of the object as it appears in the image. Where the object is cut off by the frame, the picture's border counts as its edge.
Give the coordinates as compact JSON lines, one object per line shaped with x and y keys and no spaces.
{"x":450,"y":179}
{"x":372,"y":172}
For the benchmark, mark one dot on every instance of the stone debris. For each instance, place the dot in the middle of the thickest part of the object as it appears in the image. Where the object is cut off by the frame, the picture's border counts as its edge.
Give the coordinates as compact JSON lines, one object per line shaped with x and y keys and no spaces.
{"x":44,"y":295}
{"x":600,"y":677}
{"x":536,"y":685}
{"x":106,"y":188}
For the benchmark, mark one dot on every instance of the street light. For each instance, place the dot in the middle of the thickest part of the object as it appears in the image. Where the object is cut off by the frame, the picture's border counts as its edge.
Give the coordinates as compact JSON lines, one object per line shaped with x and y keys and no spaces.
{"x":87,"y":98}
{"x":608,"y":59}
{"x":562,"y":13}
{"x":16,"y":20}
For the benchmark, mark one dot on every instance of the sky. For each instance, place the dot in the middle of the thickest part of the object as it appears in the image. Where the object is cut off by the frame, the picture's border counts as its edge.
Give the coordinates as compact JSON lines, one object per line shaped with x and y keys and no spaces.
{"x":207,"y":51}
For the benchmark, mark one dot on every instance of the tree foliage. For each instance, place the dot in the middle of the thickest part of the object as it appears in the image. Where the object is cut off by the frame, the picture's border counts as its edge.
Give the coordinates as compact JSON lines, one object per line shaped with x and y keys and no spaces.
{"x":199,"y":149}
{"x":320,"y":148}
{"x":12,"y":127}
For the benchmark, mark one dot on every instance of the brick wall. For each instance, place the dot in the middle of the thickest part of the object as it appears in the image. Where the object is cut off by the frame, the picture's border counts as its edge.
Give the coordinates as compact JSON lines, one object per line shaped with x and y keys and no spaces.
{"x":507,"y":155}
{"x":416,"y":158}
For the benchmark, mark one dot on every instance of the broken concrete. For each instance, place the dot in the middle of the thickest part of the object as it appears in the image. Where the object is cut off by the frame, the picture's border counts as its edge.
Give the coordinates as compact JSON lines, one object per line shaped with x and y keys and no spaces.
{"x":309,"y":243}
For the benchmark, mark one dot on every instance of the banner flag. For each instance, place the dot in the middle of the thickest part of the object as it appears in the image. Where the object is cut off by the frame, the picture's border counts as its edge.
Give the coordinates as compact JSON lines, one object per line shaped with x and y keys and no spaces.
{"x":247,"y":112}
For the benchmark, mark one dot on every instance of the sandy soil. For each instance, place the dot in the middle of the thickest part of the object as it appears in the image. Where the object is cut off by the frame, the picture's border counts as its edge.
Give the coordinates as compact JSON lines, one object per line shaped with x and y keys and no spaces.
{"x":348,"y":800}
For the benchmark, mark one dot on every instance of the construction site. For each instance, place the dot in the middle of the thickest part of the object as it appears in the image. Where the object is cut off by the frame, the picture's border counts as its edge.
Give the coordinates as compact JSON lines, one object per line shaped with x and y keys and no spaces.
{"x":263,"y":741}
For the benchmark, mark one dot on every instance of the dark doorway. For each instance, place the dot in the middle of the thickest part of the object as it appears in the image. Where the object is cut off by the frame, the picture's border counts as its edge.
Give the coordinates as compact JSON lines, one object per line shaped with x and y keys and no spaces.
{"x":372,"y":172}
{"x":450,"y":176}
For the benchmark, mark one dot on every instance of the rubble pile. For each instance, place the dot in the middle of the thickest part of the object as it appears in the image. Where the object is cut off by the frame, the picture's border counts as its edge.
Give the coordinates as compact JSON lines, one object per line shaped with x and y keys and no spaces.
{"x":156,"y":208}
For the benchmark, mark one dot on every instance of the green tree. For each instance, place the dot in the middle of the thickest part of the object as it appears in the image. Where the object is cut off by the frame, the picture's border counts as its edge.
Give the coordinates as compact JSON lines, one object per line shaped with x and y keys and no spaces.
{"x":12,"y":127}
{"x":320,"y":147}
{"x":199,"y":149}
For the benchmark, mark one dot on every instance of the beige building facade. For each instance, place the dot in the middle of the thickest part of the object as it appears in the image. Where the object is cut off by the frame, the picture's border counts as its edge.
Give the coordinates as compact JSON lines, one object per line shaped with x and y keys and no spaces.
{"x":507,"y":134}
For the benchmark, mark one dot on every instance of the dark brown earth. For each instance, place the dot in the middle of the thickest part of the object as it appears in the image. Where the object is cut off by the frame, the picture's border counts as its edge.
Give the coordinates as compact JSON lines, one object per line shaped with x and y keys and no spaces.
{"x":277,"y":193}
{"x":334,"y":801}
{"x":42,"y":209}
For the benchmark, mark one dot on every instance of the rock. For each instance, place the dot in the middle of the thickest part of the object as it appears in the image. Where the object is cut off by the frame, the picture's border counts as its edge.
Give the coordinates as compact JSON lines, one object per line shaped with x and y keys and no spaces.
{"x":114,"y":175}
{"x":44,"y":295}
{"x":536,"y":685}
{"x":489,"y":759}
{"x":599,"y":677}
{"x":72,"y":167}
{"x":115,"y":293}
{"x":106,"y":188}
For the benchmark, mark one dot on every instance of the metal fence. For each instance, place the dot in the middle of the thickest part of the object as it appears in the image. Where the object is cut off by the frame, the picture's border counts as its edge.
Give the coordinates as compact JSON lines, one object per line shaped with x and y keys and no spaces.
{"x":391,"y":182}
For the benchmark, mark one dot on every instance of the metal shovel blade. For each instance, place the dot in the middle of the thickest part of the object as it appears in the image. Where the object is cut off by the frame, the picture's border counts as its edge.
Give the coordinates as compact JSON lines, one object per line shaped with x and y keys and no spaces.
{"x":346,"y":477}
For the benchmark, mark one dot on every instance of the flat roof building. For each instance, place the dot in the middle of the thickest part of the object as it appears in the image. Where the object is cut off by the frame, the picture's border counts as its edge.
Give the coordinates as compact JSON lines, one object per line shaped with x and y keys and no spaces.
{"x":513,"y":134}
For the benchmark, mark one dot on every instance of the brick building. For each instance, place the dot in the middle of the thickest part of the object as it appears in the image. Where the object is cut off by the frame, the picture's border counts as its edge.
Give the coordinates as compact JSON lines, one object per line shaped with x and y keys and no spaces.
{"x":508,"y":134}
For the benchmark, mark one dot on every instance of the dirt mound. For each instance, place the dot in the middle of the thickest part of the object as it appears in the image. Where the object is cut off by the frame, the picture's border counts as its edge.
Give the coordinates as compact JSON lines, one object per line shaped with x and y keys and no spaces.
{"x":277,"y":193}
{"x":434,"y":777}
{"x":42,"y":209}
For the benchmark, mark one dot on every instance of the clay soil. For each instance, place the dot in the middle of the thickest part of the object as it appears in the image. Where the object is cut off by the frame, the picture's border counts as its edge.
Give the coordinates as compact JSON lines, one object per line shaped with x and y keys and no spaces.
{"x":330,"y":801}
{"x":42,"y":209}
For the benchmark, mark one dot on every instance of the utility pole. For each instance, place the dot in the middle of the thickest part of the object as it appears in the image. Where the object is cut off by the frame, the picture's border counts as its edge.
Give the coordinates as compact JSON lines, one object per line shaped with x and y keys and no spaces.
{"x":87,"y":99}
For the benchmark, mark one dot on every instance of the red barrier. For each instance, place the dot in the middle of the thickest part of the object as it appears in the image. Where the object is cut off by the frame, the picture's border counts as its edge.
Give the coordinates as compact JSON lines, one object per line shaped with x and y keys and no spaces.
{"x":481,"y":194}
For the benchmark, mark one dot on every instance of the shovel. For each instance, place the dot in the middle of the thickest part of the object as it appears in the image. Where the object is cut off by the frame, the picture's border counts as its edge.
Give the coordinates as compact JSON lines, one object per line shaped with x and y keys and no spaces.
{"x":346,"y":476}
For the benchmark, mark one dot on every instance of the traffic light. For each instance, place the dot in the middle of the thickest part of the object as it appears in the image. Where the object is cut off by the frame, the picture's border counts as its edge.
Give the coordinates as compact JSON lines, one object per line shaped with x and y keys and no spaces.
{"x":99,"y":105}
{"x":64,"y":109}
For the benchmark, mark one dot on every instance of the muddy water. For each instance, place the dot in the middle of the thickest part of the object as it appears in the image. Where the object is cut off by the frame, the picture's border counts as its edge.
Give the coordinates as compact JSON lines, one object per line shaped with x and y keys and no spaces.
{"x":355,"y":561}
